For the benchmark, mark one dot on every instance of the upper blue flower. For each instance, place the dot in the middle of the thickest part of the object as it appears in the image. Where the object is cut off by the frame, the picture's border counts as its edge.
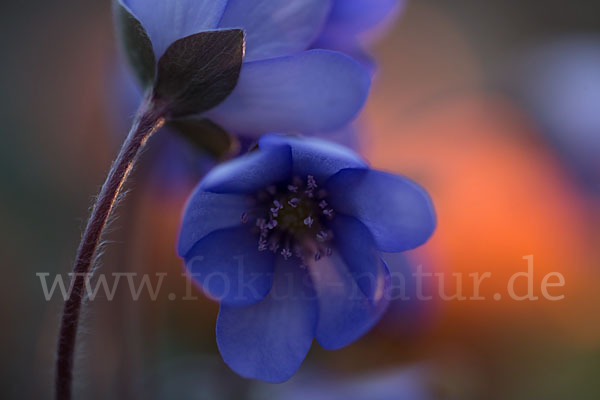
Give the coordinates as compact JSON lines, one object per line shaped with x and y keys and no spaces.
{"x":288,"y":237}
{"x":281,"y":87}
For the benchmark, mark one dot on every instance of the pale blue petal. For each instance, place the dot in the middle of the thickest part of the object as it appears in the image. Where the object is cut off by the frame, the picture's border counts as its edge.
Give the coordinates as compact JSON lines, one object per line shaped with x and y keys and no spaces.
{"x":276,"y":28}
{"x":352,"y":17}
{"x":251,"y":172}
{"x":313,"y":156}
{"x":317,"y":90}
{"x":408,"y":315}
{"x":349,"y":46}
{"x":357,"y":249}
{"x":345,"y":312}
{"x":206,"y":212}
{"x":229,"y":267}
{"x":166,"y":21}
{"x":270,"y":339}
{"x":398,"y":212}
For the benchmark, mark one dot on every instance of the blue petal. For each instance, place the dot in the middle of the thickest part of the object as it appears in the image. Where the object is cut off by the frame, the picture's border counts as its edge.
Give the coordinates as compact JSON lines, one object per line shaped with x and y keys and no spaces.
{"x":357,"y":249}
{"x":206,"y":212}
{"x":270,"y":339}
{"x":228,"y":265}
{"x":317,"y":90}
{"x":349,"y":46}
{"x":397,"y":211}
{"x":407,"y":313}
{"x":312,"y":156}
{"x":352,"y":17}
{"x":251,"y":172}
{"x":345,"y":313}
{"x":276,"y":28}
{"x":166,"y":21}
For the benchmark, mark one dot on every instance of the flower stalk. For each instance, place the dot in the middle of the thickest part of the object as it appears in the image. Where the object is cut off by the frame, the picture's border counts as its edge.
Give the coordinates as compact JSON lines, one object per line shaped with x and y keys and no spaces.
{"x":149,"y":119}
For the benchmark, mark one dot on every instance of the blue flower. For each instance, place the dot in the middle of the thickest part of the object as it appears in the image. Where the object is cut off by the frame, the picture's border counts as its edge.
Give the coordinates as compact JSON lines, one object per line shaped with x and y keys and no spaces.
{"x":351,"y":23}
{"x":288,"y":239}
{"x":281,"y":86}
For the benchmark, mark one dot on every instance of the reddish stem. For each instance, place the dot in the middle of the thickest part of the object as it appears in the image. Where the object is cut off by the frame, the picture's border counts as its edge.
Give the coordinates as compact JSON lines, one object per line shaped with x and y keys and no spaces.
{"x":148,"y":120}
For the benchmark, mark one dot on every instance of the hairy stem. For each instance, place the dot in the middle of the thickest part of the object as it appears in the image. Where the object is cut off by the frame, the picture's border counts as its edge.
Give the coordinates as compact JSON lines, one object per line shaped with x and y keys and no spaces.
{"x":148,"y":120}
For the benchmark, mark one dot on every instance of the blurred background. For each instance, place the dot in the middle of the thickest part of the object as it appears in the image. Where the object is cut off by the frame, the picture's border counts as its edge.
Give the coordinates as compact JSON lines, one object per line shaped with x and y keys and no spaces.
{"x":493,"y":106}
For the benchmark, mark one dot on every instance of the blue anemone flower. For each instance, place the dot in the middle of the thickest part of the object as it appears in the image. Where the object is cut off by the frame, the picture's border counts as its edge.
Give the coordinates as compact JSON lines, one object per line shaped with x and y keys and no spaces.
{"x":288,"y":239}
{"x":281,"y":86}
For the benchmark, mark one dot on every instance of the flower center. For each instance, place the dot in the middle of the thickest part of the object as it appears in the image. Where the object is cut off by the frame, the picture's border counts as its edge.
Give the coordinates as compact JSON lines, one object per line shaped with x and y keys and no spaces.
{"x":292,"y":220}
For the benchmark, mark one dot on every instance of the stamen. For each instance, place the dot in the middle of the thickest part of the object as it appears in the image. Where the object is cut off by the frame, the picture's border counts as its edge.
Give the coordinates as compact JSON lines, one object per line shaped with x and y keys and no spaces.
{"x":275,"y":210}
{"x":308,"y":221}
{"x":262,"y":244}
{"x":286,"y":253}
{"x":322,"y":236}
{"x":295,"y":221}
{"x":311,"y":185}
{"x":294,"y":202}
